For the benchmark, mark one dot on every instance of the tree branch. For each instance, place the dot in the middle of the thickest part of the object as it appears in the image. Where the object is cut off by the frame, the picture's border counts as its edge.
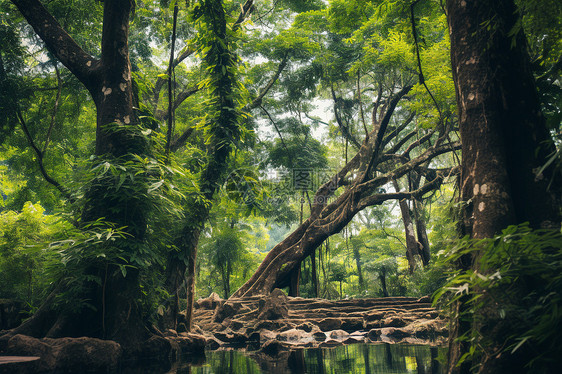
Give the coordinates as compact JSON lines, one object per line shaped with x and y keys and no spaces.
{"x":382,"y":129}
{"x":258,"y":100}
{"x":170,"y":74}
{"x":377,"y":199}
{"x":245,"y":11}
{"x":160,"y":81}
{"x":59,"y":42}
{"x":343,"y":128}
{"x":421,"y":77}
{"x":180,"y":142}
{"x":55,"y":109}
{"x":39,"y":154}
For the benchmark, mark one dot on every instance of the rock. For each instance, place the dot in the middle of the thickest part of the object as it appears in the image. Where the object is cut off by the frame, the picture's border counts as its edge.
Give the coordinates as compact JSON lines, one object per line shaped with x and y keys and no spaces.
{"x":319,"y":336}
{"x":372,"y":325}
{"x":210,"y":302}
{"x":191,"y":343}
{"x":306,"y":326}
{"x":427,"y":329}
{"x":259,"y":319}
{"x":254,"y":337}
{"x":225,"y":324}
{"x":374,"y":315}
{"x":293,"y":335}
{"x":338,"y":334}
{"x":11,"y":313}
{"x":226,"y":310}
{"x":75,"y":355}
{"x":352,"y":324}
{"x":270,"y":325}
{"x":395,"y":333}
{"x":22,"y":345}
{"x":273,"y":348}
{"x":353,"y":339}
{"x":374,"y":334}
{"x":266,"y":335}
{"x":394,"y":321}
{"x":358,"y":334}
{"x":274,"y":307}
{"x":431,"y":315}
{"x":223,"y":336}
{"x":236,"y":324}
{"x":229,"y":336}
{"x":329,"y":324}
{"x":157,"y":348}
{"x":213,"y":344}
{"x":329,"y":343}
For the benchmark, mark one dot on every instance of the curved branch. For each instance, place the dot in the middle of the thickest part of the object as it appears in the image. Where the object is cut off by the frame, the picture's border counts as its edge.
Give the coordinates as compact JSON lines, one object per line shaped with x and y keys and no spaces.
{"x":160,"y":81}
{"x":245,"y":10}
{"x":59,"y":42}
{"x":180,"y":98}
{"x":39,"y":154}
{"x":382,"y":129}
{"x":258,"y":100}
{"x":377,"y":199}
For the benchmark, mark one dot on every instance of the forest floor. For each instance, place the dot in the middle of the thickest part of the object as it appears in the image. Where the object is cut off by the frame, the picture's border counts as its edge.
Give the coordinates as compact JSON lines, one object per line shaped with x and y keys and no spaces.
{"x":278,"y":323}
{"x":268,"y":328}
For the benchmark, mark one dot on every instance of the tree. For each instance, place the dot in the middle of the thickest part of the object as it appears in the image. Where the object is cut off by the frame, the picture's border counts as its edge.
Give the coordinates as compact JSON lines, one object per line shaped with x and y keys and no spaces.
{"x":127,"y":169}
{"x":360,"y":191}
{"x":118,"y":140}
{"x":505,"y":145}
{"x":387,"y":147}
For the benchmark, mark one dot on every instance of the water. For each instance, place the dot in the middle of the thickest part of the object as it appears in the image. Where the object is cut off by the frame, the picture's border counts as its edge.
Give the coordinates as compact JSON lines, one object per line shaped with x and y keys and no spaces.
{"x":346,"y":359}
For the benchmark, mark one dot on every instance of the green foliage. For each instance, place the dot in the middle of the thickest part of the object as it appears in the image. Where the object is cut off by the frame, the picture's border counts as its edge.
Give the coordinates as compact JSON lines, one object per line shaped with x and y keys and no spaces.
{"x":515,"y":288}
{"x":25,"y":253}
{"x":232,"y":249}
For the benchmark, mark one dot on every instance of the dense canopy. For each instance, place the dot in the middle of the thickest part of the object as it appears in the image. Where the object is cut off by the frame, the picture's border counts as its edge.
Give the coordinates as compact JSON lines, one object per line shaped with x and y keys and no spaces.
{"x":153,"y":152}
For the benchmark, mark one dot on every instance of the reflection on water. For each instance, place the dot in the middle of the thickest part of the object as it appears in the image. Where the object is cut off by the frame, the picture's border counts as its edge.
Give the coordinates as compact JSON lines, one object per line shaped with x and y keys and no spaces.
{"x":352,"y":359}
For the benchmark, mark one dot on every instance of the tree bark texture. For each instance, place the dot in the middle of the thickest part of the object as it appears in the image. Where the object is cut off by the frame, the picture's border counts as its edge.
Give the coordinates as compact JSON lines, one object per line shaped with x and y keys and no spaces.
{"x":504,"y":139}
{"x":108,"y":79}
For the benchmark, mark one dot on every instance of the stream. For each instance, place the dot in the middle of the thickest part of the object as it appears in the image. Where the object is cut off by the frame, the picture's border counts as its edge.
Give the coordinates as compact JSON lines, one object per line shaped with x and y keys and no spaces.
{"x":352,"y":358}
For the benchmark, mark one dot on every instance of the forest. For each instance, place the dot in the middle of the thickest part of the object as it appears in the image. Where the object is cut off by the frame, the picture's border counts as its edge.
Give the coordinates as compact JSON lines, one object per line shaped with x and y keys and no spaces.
{"x":154,"y":152}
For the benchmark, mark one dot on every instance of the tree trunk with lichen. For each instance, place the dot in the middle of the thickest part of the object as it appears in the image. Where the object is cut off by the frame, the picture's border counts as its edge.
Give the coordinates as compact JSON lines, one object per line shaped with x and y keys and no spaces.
{"x":504,"y":142}
{"x":115,"y":313}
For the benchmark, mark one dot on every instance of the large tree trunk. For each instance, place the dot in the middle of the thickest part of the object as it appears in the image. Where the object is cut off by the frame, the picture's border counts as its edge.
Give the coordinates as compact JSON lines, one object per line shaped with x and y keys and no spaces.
{"x":504,"y":139}
{"x":116,"y":314}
